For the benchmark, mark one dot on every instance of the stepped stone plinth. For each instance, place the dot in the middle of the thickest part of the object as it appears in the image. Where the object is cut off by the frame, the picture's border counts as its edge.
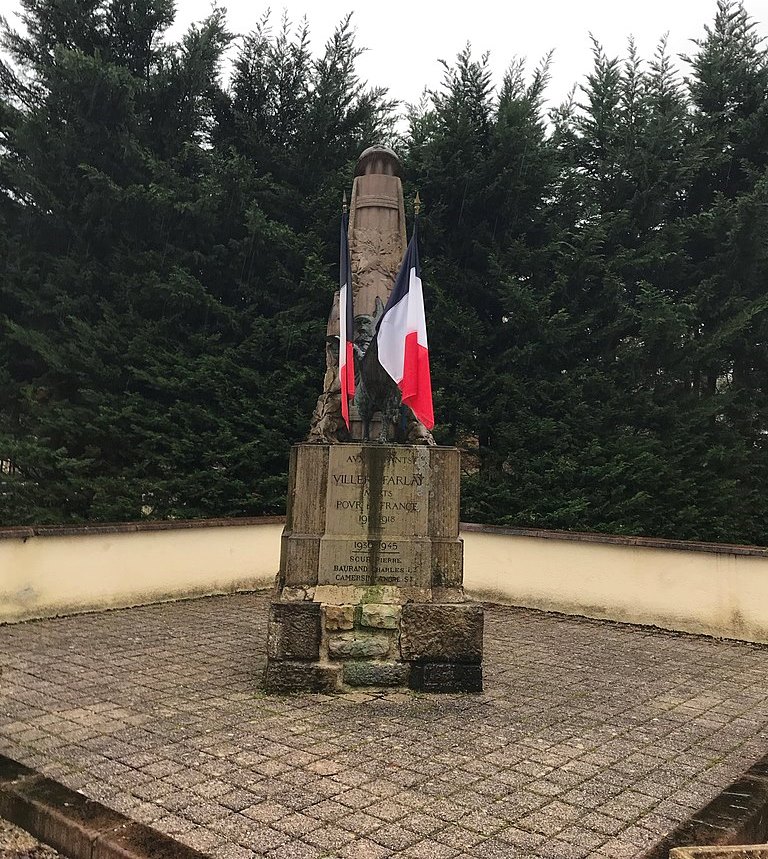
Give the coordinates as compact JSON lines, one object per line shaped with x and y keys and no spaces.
{"x":370,"y":587}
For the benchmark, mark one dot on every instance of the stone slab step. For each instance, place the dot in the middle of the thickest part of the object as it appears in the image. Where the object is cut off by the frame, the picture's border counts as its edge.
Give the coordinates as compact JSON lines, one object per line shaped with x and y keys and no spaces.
{"x":76,"y":826}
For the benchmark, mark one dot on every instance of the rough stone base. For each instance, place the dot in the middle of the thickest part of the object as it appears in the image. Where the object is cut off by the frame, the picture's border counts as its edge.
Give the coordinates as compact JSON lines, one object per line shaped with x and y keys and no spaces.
{"x":446,"y":677}
{"x":283,"y":677}
{"x":375,"y":673}
{"x":430,"y":647}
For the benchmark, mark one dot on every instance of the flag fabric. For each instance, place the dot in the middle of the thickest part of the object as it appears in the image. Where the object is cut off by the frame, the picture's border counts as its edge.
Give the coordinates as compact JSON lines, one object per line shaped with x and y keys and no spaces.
{"x":346,"y":324}
{"x":401,"y":337}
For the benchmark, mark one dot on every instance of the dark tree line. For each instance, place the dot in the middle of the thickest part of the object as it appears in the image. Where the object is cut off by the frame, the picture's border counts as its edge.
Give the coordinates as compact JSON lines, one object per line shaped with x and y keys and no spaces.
{"x":597,"y":276}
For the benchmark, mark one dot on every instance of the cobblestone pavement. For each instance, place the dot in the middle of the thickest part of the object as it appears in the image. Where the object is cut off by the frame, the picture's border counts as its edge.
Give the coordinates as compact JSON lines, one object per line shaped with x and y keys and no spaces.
{"x":591,"y":739}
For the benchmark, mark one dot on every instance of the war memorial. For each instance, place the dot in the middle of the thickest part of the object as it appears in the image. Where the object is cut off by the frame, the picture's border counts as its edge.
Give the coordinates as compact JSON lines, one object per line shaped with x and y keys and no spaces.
{"x":370,"y":587}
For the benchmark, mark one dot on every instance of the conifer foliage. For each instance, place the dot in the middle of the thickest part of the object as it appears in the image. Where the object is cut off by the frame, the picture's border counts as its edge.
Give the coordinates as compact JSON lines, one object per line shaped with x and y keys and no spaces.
{"x":167,"y":264}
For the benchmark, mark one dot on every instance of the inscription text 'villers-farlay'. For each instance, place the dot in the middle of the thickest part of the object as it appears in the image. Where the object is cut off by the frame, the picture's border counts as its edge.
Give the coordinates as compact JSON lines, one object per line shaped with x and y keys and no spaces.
{"x":367,"y":509}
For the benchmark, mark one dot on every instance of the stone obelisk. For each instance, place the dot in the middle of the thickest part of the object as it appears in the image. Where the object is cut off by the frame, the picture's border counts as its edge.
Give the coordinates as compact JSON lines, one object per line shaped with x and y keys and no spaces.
{"x":377,"y":242}
{"x":370,"y":588}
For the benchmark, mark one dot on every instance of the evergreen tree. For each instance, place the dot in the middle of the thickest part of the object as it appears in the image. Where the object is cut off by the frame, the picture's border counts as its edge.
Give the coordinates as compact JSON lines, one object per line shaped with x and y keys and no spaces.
{"x":168,"y":254}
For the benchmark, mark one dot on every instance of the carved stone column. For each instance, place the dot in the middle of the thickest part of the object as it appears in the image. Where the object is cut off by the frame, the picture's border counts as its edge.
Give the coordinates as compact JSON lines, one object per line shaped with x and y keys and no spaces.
{"x":377,"y":240}
{"x":377,"y":237}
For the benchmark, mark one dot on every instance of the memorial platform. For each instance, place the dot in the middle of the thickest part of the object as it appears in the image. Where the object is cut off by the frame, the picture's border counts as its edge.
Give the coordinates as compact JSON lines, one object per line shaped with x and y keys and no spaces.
{"x":591,"y":739}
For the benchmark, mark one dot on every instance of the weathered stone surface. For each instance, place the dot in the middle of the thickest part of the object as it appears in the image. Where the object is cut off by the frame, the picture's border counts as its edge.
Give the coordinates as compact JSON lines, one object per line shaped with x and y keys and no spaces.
{"x":377,"y":488}
{"x":445,"y":475}
{"x":283,"y":677}
{"x":355,"y":646}
{"x":440,"y":595}
{"x":308,"y":468}
{"x":442,"y":633}
{"x":380,"y":616}
{"x":294,"y":631}
{"x":376,"y":516}
{"x":362,"y":673}
{"x":293,"y":594}
{"x":339,"y":617}
{"x":363,"y":562}
{"x":447,"y":563}
{"x":354,"y":595}
{"x":299,"y":560}
{"x":446,"y":677}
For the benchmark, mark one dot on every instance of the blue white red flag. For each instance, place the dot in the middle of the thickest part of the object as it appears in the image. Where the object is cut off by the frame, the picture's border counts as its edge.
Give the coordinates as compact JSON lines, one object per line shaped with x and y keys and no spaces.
{"x":346,"y":324}
{"x":401,"y":337}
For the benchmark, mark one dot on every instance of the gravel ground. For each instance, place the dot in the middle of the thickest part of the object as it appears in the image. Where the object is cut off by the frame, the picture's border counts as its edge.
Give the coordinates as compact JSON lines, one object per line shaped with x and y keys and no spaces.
{"x":15,"y":843}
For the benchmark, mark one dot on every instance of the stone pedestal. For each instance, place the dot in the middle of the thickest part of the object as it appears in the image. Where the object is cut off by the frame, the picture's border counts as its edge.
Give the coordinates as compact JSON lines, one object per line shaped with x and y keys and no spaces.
{"x":369,"y":591}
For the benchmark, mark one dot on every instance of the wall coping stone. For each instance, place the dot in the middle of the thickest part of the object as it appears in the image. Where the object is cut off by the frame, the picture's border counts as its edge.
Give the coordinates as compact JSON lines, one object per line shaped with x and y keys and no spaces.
{"x":24,"y":532}
{"x":619,"y":540}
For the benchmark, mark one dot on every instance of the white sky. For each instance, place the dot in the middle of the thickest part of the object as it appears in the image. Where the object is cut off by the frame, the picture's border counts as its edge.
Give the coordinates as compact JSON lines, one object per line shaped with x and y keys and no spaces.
{"x":405,"y":38}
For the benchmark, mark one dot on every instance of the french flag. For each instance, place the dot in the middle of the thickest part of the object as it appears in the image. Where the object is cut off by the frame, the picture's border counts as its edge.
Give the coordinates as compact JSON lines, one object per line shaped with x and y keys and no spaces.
{"x":401,"y":337}
{"x":346,"y":323}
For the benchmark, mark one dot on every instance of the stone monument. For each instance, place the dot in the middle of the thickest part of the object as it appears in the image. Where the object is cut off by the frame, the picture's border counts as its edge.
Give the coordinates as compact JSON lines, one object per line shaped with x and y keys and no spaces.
{"x":370,"y":586}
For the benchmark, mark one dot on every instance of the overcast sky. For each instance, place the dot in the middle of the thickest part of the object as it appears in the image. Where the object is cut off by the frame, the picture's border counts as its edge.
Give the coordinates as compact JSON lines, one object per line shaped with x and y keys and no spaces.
{"x":405,"y":38}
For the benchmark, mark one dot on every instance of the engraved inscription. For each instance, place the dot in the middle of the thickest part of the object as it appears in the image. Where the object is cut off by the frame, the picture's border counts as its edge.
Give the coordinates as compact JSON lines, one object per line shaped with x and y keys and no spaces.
{"x":376,"y":517}
{"x":361,"y":562}
{"x":383,"y":491}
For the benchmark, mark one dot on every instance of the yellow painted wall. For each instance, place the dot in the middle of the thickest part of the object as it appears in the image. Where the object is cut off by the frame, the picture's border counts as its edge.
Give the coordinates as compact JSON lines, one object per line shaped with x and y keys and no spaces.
{"x":50,"y":575}
{"x":720,"y":593}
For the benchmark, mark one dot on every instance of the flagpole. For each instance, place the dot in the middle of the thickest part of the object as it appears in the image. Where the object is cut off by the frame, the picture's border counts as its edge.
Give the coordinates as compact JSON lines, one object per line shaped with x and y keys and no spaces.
{"x":346,"y":352}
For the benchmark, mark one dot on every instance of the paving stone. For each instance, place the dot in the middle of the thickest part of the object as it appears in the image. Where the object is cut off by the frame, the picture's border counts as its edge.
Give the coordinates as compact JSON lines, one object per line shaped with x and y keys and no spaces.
{"x":395,"y":836}
{"x":296,"y":850}
{"x":329,"y":838}
{"x":296,"y":824}
{"x":237,"y":800}
{"x":165,"y":701}
{"x":458,"y":837}
{"x":359,"y":822}
{"x":389,"y":811}
{"x":233,"y":851}
{"x":428,"y":849}
{"x":362,"y":848}
{"x":265,"y":838}
{"x":266,"y":812}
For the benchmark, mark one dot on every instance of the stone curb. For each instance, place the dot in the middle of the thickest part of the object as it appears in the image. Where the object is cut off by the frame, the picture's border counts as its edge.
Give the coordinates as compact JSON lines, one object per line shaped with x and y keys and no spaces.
{"x":741,"y":851}
{"x":76,"y":826}
{"x":736,"y":816}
